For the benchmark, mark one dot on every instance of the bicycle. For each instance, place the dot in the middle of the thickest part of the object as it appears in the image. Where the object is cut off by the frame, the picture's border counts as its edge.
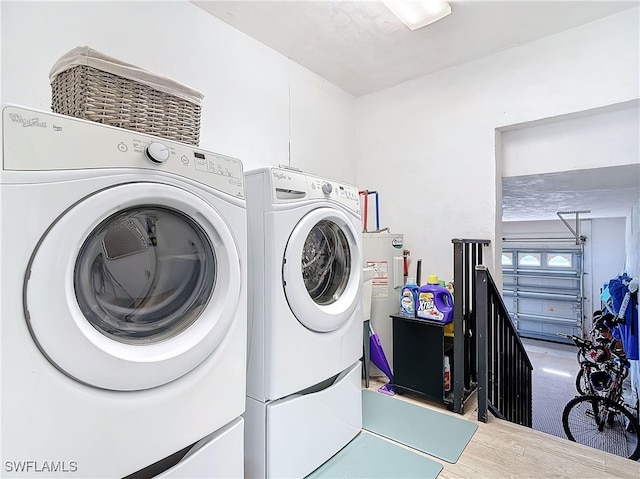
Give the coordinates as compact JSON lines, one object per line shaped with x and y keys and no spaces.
{"x":602,"y":423}
{"x":594,"y":358}
{"x":599,"y":417}
{"x":595,"y":352}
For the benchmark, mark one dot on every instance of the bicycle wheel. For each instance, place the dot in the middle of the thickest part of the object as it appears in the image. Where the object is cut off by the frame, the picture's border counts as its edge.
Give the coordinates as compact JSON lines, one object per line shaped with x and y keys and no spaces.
{"x":603,"y":424}
{"x":582,"y":383}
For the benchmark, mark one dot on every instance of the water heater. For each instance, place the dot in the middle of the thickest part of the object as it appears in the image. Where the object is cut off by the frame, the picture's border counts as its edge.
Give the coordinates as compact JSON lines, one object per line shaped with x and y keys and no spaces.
{"x":383,"y":252}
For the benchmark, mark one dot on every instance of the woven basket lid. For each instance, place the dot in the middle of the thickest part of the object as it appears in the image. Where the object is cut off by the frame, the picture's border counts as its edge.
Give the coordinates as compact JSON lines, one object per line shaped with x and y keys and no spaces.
{"x":93,"y":58}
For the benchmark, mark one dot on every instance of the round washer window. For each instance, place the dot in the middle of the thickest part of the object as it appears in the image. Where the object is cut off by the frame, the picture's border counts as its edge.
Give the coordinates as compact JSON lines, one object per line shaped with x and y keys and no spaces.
{"x":144,"y":274}
{"x":326,"y":262}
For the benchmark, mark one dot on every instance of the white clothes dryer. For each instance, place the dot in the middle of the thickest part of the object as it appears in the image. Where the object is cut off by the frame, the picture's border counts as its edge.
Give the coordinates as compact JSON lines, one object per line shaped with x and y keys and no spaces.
{"x":123,"y":301}
{"x":305,"y":325}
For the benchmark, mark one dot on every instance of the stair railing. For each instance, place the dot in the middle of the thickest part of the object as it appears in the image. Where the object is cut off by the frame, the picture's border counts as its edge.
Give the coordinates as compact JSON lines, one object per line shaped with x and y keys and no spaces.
{"x":504,"y":368}
{"x":467,"y":254}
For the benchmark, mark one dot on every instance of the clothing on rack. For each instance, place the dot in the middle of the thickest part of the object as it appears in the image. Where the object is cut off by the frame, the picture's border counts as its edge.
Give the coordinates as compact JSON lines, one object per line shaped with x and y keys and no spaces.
{"x":618,"y":289}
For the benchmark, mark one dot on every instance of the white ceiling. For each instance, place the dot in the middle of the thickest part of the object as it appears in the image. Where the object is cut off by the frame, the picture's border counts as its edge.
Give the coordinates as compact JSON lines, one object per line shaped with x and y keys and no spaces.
{"x":605,"y":192}
{"x":361,"y":47}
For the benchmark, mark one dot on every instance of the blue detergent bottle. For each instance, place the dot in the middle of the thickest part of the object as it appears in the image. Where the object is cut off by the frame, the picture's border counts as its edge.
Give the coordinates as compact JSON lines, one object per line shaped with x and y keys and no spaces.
{"x":409,"y":298}
{"x":435,"y":302}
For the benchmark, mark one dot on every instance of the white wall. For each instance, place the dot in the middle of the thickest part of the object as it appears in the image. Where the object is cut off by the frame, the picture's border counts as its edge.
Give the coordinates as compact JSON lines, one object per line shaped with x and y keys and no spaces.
{"x":632,"y":237}
{"x":632,"y":266}
{"x":256,"y":101}
{"x":321,"y":126}
{"x":608,"y":137}
{"x":608,"y":252}
{"x":429,"y":145}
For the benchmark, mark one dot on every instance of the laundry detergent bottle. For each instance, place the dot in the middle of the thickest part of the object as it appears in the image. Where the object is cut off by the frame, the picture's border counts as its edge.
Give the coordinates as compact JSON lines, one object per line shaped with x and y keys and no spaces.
{"x":435,"y":302}
{"x":409,"y":298}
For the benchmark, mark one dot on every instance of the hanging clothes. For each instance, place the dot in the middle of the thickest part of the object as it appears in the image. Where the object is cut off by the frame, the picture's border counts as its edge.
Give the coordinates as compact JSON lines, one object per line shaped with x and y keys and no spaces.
{"x":618,"y":289}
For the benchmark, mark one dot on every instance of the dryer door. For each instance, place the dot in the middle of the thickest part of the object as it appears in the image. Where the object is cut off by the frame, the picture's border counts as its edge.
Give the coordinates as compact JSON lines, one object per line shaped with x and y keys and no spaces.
{"x":133,"y":286}
{"x":322,"y":270}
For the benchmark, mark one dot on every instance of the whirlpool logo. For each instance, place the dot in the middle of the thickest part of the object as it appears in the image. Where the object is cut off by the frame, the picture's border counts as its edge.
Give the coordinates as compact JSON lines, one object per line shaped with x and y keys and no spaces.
{"x":27,"y":122}
{"x":48,"y":467}
{"x":280,"y":176}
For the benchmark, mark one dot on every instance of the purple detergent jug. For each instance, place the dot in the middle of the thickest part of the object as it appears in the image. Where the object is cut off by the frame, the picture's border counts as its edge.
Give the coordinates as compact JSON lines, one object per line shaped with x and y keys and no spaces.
{"x":435,"y":302}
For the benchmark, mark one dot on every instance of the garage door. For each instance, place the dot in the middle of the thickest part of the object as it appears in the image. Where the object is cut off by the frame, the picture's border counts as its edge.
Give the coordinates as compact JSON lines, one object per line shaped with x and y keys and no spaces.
{"x":543,"y":291}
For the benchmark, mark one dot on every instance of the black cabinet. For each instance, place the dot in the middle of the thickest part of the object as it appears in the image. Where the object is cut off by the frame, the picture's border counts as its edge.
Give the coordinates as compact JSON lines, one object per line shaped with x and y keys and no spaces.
{"x":419,"y":349}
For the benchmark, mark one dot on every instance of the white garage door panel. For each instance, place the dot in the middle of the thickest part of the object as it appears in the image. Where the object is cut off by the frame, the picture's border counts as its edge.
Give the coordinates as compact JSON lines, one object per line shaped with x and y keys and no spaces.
{"x":550,"y":309}
{"x":544,"y":296}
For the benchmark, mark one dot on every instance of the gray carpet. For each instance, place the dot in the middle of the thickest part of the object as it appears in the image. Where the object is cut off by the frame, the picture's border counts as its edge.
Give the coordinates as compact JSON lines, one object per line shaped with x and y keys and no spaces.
{"x":554,"y":374}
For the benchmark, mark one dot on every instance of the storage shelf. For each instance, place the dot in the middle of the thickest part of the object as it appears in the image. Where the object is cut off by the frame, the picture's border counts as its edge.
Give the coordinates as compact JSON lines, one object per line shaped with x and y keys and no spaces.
{"x":419,"y":348}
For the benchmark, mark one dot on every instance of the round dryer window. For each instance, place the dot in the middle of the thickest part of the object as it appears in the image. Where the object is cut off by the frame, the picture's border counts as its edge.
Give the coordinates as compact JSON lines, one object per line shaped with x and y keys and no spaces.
{"x":322,"y":270}
{"x":144,"y":274}
{"x":326,"y":262}
{"x":125,"y":289}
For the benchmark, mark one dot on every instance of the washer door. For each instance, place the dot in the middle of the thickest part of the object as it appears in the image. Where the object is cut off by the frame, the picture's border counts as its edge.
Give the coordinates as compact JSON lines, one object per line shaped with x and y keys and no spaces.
{"x":133,"y":286}
{"x":322,"y":270}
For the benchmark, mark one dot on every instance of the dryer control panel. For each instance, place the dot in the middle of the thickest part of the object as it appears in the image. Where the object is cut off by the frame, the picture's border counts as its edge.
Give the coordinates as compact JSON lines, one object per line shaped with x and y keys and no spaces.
{"x":47,"y":141}
{"x":292,"y":185}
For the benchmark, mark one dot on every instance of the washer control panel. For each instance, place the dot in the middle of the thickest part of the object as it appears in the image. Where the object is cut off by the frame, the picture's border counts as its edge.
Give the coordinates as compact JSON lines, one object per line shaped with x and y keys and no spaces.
{"x":293,"y":185}
{"x":48,"y":141}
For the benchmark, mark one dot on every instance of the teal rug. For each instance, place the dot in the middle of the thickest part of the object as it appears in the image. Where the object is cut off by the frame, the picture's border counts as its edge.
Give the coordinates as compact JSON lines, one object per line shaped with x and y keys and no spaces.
{"x":439,"y":435}
{"x":371,"y":457}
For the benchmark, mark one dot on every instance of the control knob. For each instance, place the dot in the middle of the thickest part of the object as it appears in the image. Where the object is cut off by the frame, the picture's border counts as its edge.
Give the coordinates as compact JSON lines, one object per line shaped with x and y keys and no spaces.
{"x":157,"y":152}
{"x":327,"y":188}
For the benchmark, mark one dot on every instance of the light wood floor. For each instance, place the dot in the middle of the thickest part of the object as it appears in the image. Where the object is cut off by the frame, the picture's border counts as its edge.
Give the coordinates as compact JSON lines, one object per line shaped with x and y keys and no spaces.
{"x":500,"y":449}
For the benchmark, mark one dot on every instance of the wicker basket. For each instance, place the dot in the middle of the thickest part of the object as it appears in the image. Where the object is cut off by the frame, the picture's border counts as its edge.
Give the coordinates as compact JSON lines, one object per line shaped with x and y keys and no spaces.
{"x":87,"y":84}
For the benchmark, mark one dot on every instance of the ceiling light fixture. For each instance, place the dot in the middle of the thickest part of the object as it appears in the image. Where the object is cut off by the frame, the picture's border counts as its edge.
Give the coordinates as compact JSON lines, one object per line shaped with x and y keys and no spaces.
{"x":418,"y":13}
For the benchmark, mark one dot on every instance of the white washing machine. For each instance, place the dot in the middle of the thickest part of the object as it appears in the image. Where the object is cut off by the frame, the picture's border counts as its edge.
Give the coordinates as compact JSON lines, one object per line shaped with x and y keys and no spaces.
{"x":123,"y":303}
{"x":305,"y":321}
